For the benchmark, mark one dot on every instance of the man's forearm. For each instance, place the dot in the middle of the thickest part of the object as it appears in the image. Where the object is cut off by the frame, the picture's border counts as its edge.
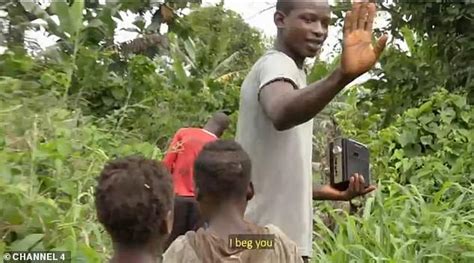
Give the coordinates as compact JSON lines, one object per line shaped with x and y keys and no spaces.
{"x":325,"y":192}
{"x":305,"y":103}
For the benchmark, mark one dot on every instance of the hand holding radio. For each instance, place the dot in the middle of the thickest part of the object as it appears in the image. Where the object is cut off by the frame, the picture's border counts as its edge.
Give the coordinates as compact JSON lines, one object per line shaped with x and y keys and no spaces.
{"x":349,"y":168}
{"x":357,"y":187}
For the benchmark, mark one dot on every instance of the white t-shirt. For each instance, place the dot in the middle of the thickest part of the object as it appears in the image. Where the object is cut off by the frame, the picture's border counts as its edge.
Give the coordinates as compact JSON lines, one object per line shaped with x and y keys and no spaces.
{"x":281,"y":160}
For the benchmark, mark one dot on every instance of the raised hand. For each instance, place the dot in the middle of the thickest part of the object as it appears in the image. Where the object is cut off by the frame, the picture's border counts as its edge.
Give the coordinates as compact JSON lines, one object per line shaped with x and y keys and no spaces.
{"x":358,"y":53}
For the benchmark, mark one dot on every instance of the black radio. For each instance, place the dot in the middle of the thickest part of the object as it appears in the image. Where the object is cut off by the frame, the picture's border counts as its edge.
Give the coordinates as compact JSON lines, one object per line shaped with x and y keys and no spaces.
{"x":347,"y":157}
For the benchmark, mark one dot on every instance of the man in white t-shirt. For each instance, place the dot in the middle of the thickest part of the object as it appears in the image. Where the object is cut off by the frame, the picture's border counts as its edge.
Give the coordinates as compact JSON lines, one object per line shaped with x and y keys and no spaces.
{"x":277,"y":107}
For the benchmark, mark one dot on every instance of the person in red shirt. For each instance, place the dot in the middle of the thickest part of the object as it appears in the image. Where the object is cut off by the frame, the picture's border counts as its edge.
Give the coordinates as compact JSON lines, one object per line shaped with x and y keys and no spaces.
{"x":185,"y":146}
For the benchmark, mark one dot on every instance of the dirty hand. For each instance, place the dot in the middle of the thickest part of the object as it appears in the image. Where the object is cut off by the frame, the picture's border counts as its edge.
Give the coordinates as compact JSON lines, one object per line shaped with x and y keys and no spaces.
{"x":356,"y":188}
{"x":358,"y":54}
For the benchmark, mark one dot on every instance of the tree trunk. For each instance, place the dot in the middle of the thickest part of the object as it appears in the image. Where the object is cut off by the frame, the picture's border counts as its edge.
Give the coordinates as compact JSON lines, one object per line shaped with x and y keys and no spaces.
{"x":16,"y":31}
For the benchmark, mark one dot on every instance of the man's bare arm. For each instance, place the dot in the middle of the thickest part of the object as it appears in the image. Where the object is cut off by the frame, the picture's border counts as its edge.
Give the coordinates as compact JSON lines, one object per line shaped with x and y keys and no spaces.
{"x":288,"y":107}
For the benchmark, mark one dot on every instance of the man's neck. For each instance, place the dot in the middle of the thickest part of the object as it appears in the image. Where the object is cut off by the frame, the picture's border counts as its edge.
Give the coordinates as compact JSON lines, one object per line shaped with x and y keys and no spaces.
{"x":139,"y":255}
{"x":280,"y":46}
{"x":229,"y":220}
{"x":207,"y":130}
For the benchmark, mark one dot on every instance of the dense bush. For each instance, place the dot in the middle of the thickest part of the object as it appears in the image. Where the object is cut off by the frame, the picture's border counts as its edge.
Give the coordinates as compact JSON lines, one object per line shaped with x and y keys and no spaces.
{"x":64,"y":112}
{"x":423,"y":210}
{"x":49,"y":159}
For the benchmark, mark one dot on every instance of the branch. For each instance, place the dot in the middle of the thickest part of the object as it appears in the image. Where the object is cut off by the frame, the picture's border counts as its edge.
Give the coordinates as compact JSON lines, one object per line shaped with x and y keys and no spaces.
{"x":261,"y":11}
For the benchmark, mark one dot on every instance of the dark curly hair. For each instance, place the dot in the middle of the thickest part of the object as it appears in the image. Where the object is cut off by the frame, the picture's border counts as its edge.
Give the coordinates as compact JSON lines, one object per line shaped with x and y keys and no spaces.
{"x":222,"y":170}
{"x":133,"y":197}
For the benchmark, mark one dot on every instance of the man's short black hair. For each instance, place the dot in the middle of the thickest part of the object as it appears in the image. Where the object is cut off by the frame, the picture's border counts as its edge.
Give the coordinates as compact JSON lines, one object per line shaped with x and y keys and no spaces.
{"x":133,"y":197}
{"x":285,"y":6}
{"x":222,"y":170}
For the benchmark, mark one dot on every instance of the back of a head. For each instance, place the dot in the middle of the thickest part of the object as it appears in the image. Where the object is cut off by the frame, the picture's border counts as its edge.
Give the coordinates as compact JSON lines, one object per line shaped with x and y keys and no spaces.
{"x":222,"y":170}
{"x":133,"y":198}
{"x":218,"y":123}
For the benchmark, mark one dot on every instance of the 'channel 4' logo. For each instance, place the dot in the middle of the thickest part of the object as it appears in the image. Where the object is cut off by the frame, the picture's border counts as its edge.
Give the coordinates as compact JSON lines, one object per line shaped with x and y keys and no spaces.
{"x":37,"y":256}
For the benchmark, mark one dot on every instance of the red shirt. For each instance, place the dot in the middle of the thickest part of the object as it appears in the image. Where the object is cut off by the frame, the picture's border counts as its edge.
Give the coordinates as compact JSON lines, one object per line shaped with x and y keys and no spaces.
{"x":183,"y":150}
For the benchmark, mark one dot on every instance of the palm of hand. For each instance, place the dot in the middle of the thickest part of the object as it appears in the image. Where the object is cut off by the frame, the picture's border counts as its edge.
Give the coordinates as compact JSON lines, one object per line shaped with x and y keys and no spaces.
{"x":358,"y":53}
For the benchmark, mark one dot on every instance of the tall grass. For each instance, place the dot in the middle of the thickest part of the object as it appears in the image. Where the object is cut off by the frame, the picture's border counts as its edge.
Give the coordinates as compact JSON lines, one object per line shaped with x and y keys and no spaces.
{"x":399,"y":224}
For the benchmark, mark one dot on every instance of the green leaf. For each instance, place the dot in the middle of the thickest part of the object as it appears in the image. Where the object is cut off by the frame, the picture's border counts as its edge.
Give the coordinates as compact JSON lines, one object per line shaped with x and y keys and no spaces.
{"x":318,"y":72}
{"x":87,"y":254}
{"x":425,"y":107}
{"x":408,"y":35}
{"x":2,"y":247}
{"x":118,"y":93}
{"x":459,"y":101}
{"x":426,"y":140}
{"x":368,"y":208}
{"x":76,"y":16}
{"x":448,"y":115}
{"x":106,"y":17}
{"x":37,"y":11}
{"x":406,"y":165}
{"x":70,"y":18}
{"x":466,"y":116}
{"x":26,"y":243}
{"x":139,"y":22}
{"x":442,"y":132}
{"x":95,"y":23}
{"x":224,"y":65}
{"x":61,"y":9}
{"x":190,"y":47}
{"x":108,"y":101}
{"x":180,"y":73}
{"x":407,"y":137}
{"x":64,"y":148}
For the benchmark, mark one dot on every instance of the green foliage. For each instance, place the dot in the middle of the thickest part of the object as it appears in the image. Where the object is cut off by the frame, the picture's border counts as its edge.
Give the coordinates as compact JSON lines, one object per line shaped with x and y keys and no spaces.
{"x":401,"y":226}
{"x":144,"y":95}
{"x":440,"y":54}
{"x":49,"y":159}
{"x":434,"y":140}
{"x":423,"y":165}
{"x":81,"y":103}
{"x":447,"y":29}
{"x":217,"y":30}
{"x":67,"y":111}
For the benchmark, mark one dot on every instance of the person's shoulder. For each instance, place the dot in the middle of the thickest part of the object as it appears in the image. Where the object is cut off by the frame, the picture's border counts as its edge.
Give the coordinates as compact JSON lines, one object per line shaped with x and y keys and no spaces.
{"x":182,"y":130}
{"x":285,"y":248}
{"x":187,"y":130}
{"x":274,"y":57}
{"x":179,"y":243}
{"x":180,"y":251}
{"x":175,"y":250}
{"x":280,"y":236}
{"x":273,"y":229}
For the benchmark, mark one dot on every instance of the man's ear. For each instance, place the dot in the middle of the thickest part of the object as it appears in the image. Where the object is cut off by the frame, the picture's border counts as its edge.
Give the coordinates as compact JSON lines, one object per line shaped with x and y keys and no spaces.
{"x":250,"y":191}
{"x":279,"y":19}
{"x":167,"y":224}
